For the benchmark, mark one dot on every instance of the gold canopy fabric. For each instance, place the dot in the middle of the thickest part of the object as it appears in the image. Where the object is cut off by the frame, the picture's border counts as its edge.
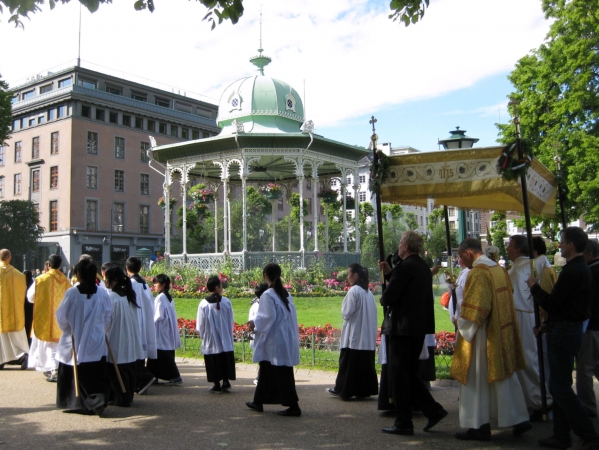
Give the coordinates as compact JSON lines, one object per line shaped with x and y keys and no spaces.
{"x":466,"y":179}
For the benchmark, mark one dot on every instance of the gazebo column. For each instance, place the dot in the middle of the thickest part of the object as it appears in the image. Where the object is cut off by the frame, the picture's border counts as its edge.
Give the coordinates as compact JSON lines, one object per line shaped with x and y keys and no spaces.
{"x":273,"y":224}
{"x":225,"y":214}
{"x":184,"y":202}
{"x":229,"y":222}
{"x":301,"y":211}
{"x":244,"y":212}
{"x":357,"y":211}
{"x":215,"y":222}
{"x":344,"y":192}
{"x":167,"y":213}
{"x":326,"y":229}
{"x":315,"y":204}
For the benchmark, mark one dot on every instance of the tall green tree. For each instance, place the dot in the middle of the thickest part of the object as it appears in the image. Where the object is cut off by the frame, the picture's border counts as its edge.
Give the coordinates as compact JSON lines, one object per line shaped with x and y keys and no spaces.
{"x":5,"y":111}
{"x":19,"y":226}
{"x":499,"y":231}
{"x":555,"y":89}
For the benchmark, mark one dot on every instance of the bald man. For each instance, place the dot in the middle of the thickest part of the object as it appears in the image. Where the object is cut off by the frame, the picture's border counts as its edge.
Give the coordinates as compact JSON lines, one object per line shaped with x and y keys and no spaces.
{"x":14,"y":346}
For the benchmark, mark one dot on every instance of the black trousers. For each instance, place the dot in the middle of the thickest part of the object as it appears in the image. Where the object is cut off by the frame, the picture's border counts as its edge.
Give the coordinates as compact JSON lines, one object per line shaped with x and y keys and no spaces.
{"x":406,"y":386}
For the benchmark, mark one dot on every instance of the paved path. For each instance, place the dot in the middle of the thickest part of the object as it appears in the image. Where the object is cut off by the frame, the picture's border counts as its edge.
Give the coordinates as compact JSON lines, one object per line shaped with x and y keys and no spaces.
{"x":188,"y":416}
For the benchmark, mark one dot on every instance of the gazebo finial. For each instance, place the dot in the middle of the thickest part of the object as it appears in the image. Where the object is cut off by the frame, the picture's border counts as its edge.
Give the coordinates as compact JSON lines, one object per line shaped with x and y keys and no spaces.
{"x":261,"y":60}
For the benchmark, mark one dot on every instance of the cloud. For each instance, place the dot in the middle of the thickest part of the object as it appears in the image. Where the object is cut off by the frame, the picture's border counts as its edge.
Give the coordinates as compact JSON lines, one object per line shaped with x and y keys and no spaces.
{"x":351,"y":57}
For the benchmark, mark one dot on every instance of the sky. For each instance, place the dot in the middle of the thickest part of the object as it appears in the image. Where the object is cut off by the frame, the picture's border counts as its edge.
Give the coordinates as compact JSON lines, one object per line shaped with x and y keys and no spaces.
{"x":345,"y":57}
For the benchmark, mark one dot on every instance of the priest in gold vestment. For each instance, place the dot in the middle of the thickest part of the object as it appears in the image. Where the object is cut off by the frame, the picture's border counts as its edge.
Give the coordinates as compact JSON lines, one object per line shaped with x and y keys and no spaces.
{"x":13,"y":339}
{"x":488,"y":351}
{"x":46,"y":293}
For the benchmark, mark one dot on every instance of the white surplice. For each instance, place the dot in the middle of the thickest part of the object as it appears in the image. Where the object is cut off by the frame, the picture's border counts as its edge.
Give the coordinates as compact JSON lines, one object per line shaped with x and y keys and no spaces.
{"x":123,"y":331}
{"x":42,"y":355}
{"x":277,"y":336}
{"x":215,"y":326}
{"x":145,"y":318}
{"x":13,"y":345}
{"x":165,"y":323}
{"x":459,"y":293}
{"x":88,"y":320}
{"x":252,"y":316}
{"x":359,"y":320}
{"x":529,"y":377}
{"x":501,"y":403}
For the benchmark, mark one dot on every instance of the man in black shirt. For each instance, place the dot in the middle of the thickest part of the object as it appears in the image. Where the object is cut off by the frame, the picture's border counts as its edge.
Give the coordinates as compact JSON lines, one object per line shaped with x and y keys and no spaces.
{"x":587,"y":361}
{"x":568,"y":305}
{"x":409,"y":315}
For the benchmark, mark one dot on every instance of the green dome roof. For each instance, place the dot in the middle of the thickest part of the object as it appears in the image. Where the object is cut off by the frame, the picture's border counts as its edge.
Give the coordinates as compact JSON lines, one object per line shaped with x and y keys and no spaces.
{"x":262,"y":104}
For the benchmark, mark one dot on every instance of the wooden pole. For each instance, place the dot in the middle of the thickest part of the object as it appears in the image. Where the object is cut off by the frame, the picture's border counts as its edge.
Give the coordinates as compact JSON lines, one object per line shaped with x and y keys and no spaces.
{"x":75,"y":372}
{"x":379,"y":218}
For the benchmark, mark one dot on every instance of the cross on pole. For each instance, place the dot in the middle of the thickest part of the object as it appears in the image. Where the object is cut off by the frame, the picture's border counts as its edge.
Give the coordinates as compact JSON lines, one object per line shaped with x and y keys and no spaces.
{"x":372,"y":121}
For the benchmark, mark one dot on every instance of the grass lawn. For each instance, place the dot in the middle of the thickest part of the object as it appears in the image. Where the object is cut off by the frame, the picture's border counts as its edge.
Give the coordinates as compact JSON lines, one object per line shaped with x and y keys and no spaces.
{"x":311,"y":311}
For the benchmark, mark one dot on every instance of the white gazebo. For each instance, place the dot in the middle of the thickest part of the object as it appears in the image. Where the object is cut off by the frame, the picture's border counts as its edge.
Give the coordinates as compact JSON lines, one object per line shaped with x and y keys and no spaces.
{"x":264,"y":138}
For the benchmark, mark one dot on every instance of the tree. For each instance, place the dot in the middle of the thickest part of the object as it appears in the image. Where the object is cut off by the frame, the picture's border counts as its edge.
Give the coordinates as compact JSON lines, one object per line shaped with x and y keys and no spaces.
{"x":5,"y":111}
{"x":411,"y":221}
{"x":19,"y":229}
{"x":437,"y":240}
{"x":499,"y":232}
{"x":556,"y":95}
{"x":405,"y":11}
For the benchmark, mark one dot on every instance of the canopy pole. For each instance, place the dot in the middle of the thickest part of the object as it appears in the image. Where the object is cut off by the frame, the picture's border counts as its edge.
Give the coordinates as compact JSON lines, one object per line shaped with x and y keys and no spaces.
{"x":450,"y":259}
{"x":532,"y":263}
{"x":379,"y":219}
{"x":561,"y":190}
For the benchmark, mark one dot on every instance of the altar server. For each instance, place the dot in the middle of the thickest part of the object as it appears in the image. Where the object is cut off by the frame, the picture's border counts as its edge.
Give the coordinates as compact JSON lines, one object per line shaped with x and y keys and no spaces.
{"x":215,"y":324}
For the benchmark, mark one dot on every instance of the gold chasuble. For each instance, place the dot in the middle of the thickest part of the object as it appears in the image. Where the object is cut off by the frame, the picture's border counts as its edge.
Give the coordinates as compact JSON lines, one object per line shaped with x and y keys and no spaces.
{"x":13,"y":287}
{"x":49,"y":291}
{"x":488,"y":297}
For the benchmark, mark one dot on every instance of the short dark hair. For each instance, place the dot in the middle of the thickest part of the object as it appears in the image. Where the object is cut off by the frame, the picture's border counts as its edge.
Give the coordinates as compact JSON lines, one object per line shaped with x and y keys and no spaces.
{"x":260,"y":289}
{"x":592,"y":248}
{"x":134,"y":264}
{"x":577,"y":237}
{"x":212,"y":283}
{"x":470,"y":244}
{"x":538,"y":245}
{"x":521,"y":243}
{"x":55,"y":261}
{"x":107,"y":266}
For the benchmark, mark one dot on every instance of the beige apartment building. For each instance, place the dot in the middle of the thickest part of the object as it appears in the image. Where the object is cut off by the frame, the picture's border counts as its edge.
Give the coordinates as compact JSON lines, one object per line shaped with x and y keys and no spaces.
{"x":78,"y":151}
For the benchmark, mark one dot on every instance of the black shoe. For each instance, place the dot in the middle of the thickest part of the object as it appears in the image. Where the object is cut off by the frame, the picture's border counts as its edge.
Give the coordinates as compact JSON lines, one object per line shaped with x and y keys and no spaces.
{"x":536,"y":416}
{"x":290,"y":412}
{"x":215,"y":390}
{"x":521,"y":428}
{"x":226,"y":385}
{"x":254,"y":406}
{"x":396,"y":430}
{"x":555,"y":442}
{"x":332,"y":392}
{"x":24,"y":362}
{"x":435,"y":419}
{"x":475,"y":434}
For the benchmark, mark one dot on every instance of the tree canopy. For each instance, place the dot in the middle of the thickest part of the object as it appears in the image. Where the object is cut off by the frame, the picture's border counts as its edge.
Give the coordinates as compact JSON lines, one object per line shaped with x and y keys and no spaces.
{"x":556,"y":96}
{"x":404,"y":11}
{"x":18,"y":226}
{"x":5,"y":111}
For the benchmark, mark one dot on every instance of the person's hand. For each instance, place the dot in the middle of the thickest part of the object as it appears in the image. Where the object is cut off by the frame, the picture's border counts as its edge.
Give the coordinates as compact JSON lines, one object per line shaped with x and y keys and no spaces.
{"x":435,"y":270}
{"x":384,"y":267}
{"x":454,"y":321}
{"x":251,"y":325}
{"x":538,"y":331}
{"x":450,"y":287}
{"x":532,"y":281}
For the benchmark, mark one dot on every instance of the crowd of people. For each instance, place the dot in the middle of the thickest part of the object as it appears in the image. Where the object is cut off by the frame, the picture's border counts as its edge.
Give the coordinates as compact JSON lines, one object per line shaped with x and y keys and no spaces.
{"x":104,"y":338}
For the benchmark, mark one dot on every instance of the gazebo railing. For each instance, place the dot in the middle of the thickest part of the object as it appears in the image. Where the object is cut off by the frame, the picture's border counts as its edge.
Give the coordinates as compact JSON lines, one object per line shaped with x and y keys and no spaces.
{"x":210,"y":262}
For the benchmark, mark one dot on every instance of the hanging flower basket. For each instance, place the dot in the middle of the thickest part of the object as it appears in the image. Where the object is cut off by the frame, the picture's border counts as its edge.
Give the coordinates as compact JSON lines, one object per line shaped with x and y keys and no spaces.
{"x":272,"y":191}
{"x":328,"y":196}
{"x":350,"y":203}
{"x":162,"y":202}
{"x":201,"y":194}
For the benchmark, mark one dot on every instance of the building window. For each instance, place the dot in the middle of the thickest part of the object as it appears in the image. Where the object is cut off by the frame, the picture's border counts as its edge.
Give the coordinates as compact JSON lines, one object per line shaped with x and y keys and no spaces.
{"x":92,"y":143}
{"x":86,"y":111}
{"x":100,"y":114}
{"x":41,"y":119}
{"x":421,"y":221}
{"x":309,"y":206}
{"x":54,"y":215}
{"x":91,"y":214}
{"x":139,"y":123}
{"x":18,"y":151}
{"x":126,"y":120}
{"x":184,"y":133}
{"x":35,"y":148}
{"x":113,"y":117}
{"x":205,"y":134}
{"x":119,"y":148}
{"x":152,"y":126}
{"x":362,"y":179}
{"x":64,"y":83}
{"x":88,"y":84}
{"x":144,"y":184}
{"x":28,"y":94}
{"x":114,"y":90}
{"x":139,"y":96}
{"x":46,"y":88}
{"x":162,"y":128}
{"x":174,"y":131}
{"x":35,"y":182}
{"x":144,"y":219}
{"x":16,"y":124}
{"x":119,"y":180}
{"x":451,"y":212}
{"x":1,"y":187}
{"x":51,"y":114}
{"x":195,"y":134}
{"x":348,"y":179}
{"x":2,"y":155}
{"x":54,"y":143}
{"x":17,"y":179}
{"x":91,"y":177}
{"x":32,"y":122}
{"x":163,"y":102}
{"x":143,"y":153}
{"x":62,"y":111}
{"x":308,"y":185}
{"x":333,"y":183}
{"x":118,"y":216}
{"x":362,"y":196}
{"x":54,"y":177}
{"x":280,"y":204}
{"x":452,"y":225}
